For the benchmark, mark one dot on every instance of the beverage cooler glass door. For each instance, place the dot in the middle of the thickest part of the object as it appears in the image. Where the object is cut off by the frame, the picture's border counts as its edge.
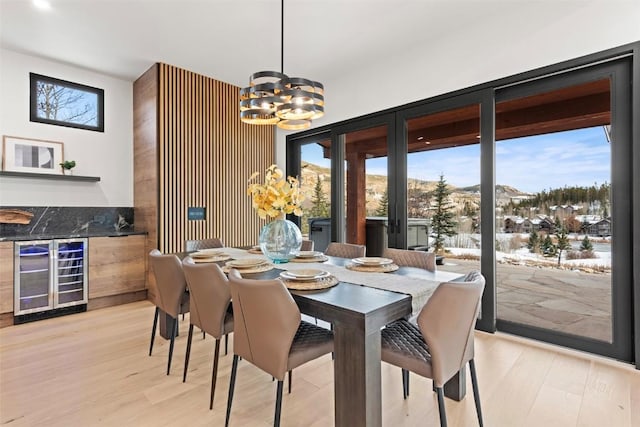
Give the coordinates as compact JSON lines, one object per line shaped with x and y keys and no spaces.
{"x":70,"y":272}
{"x":33,"y":276}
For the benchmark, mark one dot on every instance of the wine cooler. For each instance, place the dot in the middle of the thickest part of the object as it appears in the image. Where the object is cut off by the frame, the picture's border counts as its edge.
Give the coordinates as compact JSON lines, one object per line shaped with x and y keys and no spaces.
{"x":50,"y":278}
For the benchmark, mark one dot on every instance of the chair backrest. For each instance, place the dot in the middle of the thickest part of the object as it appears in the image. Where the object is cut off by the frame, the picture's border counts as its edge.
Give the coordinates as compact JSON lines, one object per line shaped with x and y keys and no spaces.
{"x":196,"y":245}
{"x":447,"y":323}
{"x":405,"y":257}
{"x":345,"y":250}
{"x":266,"y":319}
{"x":307,"y":245}
{"x":209,"y":296}
{"x":170,"y":281}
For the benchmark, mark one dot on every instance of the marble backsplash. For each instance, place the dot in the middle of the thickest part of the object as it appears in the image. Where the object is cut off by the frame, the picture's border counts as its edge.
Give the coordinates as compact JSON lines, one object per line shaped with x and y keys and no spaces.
{"x":69,"y":220}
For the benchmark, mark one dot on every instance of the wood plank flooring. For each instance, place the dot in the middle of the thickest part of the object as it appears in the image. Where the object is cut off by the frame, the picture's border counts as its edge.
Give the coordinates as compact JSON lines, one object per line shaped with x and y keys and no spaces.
{"x":92,"y":369}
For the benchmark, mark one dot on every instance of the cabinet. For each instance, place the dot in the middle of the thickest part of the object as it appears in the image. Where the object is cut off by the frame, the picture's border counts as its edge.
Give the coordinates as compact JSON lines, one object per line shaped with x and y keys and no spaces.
{"x":49,"y":275}
{"x":116,"y":267}
{"x":6,"y":279}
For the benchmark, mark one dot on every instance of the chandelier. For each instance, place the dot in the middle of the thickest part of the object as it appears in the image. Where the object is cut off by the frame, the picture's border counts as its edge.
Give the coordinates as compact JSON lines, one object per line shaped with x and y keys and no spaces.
{"x":273,"y":98}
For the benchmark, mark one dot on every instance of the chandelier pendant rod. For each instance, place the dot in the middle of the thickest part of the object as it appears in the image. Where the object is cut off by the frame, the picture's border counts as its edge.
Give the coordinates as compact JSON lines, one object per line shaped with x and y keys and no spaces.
{"x":282,"y":36}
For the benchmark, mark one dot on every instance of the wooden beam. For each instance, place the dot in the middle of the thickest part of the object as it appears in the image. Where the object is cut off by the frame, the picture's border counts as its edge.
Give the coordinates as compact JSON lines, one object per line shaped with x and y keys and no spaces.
{"x":356,"y":200}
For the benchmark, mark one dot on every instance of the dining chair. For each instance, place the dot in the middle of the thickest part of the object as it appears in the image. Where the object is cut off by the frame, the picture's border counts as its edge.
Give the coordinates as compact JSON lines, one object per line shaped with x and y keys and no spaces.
{"x":270,"y":333}
{"x":210,"y":304}
{"x":172,"y":297}
{"x":345,"y":250}
{"x":442,"y":342}
{"x":407,"y":258}
{"x":196,"y":245}
{"x":307,"y":245}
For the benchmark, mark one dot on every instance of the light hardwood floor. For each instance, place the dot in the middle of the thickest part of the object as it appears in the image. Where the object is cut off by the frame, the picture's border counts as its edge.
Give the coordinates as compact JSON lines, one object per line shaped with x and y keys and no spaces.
{"x":92,"y":369}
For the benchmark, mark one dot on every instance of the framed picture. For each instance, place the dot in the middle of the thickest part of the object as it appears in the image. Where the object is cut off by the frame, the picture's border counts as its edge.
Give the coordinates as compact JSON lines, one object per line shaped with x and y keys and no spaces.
{"x":63,"y":103}
{"x":31,"y":155}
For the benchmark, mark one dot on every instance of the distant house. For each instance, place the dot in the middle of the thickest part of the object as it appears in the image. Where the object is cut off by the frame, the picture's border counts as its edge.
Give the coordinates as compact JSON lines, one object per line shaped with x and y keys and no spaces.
{"x":564,"y":211}
{"x":513,"y":224}
{"x":600,"y":228}
{"x":517,"y":224}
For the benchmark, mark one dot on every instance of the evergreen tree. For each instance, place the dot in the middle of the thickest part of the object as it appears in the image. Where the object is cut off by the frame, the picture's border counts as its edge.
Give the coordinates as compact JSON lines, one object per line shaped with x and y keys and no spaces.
{"x":442,"y":222}
{"x":534,"y":242}
{"x":563,"y":243}
{"x":547,"y":247}
{"x":586,"y":244}
{"x":320,"y":206}
{"x":383,"y":206}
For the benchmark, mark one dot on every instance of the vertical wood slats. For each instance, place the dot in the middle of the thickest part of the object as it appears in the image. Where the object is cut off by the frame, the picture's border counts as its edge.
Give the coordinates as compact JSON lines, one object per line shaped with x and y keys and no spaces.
{"x":206,"y":156}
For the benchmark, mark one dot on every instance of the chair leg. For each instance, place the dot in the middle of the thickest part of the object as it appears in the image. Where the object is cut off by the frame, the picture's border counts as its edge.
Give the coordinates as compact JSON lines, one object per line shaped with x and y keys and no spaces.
{"x":153,"y":329}
{"x":290,"y":374}
{"x":405,"y":383}
{"x":174,"y":332}
{"x":214,"y":373}
{"x":226,"y":344}
{"x":476,"y":392}
{"x":443,"y":415}
{"x":204,"y":335}
{"x":276,"y":420}
{"x":186,"y":357}
{"x":232,"y":385}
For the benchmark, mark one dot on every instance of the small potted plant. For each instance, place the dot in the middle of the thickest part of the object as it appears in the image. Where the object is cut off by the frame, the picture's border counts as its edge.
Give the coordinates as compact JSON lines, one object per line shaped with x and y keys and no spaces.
{"x":68,"y":165}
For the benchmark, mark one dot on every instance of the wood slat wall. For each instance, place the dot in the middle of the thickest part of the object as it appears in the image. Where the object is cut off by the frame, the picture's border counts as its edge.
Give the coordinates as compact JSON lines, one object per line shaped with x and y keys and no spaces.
{"x":204,"y":157}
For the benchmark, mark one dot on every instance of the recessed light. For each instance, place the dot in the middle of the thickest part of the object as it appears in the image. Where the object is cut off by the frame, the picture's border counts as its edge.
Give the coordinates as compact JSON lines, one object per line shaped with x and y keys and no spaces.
{"x":42,"y":4}
{"x":420,"y":138}
{"x":427,"y":142}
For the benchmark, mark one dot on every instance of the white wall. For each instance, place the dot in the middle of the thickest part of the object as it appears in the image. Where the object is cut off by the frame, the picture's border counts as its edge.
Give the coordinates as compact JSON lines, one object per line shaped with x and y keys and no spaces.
{"x":533,"y":35}
{"x":108,"y":155}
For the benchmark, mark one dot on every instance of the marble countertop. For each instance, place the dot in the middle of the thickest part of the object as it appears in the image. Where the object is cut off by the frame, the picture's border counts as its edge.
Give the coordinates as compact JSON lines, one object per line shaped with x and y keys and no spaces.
{"x":97,"y":233}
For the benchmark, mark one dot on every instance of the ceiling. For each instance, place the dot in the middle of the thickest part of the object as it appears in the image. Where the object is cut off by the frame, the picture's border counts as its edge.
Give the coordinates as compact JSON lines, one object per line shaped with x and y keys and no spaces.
{"x":230,"y":39}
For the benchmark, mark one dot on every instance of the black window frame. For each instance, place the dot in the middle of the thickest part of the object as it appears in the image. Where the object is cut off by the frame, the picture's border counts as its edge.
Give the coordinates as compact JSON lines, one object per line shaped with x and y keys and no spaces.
{"x":33,"y":102}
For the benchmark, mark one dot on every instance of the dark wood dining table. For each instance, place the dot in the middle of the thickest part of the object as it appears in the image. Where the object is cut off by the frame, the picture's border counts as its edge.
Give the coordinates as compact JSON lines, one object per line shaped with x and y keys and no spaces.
{"x":357,"y":313}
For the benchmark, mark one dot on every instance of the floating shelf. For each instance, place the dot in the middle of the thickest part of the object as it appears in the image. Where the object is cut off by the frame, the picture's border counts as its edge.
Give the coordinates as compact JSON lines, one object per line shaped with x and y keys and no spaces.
{"x":50,"y":176}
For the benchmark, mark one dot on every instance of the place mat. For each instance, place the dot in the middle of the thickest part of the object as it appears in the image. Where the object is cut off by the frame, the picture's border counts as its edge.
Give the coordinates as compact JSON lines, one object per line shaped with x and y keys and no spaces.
{"x":321,"y":258}
{"x":255,"y":251}
{"x":215,"y":258}
{"x":384,"y":268}
{"x":310,"y":285}
{"x":257,"y":269}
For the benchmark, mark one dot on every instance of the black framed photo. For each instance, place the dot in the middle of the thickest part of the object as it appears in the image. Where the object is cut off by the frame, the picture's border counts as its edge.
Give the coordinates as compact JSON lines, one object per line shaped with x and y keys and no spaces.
{"x":63,"y":103}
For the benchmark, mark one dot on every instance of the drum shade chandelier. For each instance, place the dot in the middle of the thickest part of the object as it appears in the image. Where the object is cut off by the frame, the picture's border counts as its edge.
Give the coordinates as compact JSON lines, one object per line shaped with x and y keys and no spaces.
{"x":273,"y":98}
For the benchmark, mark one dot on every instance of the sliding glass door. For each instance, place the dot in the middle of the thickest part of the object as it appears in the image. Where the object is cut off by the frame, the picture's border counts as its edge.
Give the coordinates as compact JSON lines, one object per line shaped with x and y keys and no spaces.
{"x":562,"y":167}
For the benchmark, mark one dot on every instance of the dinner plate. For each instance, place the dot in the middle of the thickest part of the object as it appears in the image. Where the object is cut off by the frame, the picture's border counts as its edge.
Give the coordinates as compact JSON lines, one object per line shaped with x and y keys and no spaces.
{"x":207,"y":254}
{"x":308,"y":254}
{"x":372,"y":260}
{"x":304,"y":274}
{"x":246,"y":262}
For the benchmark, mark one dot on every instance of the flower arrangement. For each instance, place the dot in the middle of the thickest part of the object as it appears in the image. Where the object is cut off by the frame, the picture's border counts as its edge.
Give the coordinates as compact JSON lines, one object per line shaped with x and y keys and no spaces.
{"x":276,"y":196}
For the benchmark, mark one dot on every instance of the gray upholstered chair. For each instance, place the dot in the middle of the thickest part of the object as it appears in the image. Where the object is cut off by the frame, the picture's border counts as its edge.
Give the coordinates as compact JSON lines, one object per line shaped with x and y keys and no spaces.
{"x":345,"y":250}
{"x":307,"y":245}
{"x":442,"y":343}
{"x":407,"y":258}
{"x":270,"y":334}
{"x":196,"y":245}
{"x":172,"y":297}
{"x":210,"y":303}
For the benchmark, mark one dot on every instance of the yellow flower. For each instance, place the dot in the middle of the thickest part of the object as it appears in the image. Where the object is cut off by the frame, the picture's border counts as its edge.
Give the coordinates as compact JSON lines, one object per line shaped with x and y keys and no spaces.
{"x":276,"y":195}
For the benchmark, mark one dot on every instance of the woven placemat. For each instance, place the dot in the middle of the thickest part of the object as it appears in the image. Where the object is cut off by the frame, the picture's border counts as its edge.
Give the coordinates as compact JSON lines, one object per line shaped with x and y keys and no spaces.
{"x":256,"y":251}
{"x":321,"y":258}
{"x":215,"y":258}
{"x":311,"y":285}
{"x":385,"y":268}
{"x":257,"y":269}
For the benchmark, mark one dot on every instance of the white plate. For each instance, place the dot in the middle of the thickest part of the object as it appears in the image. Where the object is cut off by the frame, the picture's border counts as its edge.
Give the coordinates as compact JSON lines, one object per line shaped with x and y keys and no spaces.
{"x":246,"y":262}
{"x":304,"y":274}
{"x":372,"y":260}
{"x":308,"y":254}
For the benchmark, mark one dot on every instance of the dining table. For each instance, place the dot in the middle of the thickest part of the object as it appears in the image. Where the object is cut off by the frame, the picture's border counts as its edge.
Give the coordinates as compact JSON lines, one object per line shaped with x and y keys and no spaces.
{"x":358,"y":307}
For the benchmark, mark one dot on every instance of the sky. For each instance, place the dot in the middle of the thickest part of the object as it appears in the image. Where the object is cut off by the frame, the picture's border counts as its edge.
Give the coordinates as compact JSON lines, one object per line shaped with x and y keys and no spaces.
{"x":530,"y":164}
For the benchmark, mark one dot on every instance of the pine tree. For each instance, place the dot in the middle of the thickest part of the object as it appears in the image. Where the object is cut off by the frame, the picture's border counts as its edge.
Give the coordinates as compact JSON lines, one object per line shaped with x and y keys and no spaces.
{"x":534,"y":242}
{"x":321,"y":207}
{"x":586,"y":244}
{"x":442,"y":222}
{"x":563,"y":243}
{"x":547,"y":247}
{"x":383,"y":206}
